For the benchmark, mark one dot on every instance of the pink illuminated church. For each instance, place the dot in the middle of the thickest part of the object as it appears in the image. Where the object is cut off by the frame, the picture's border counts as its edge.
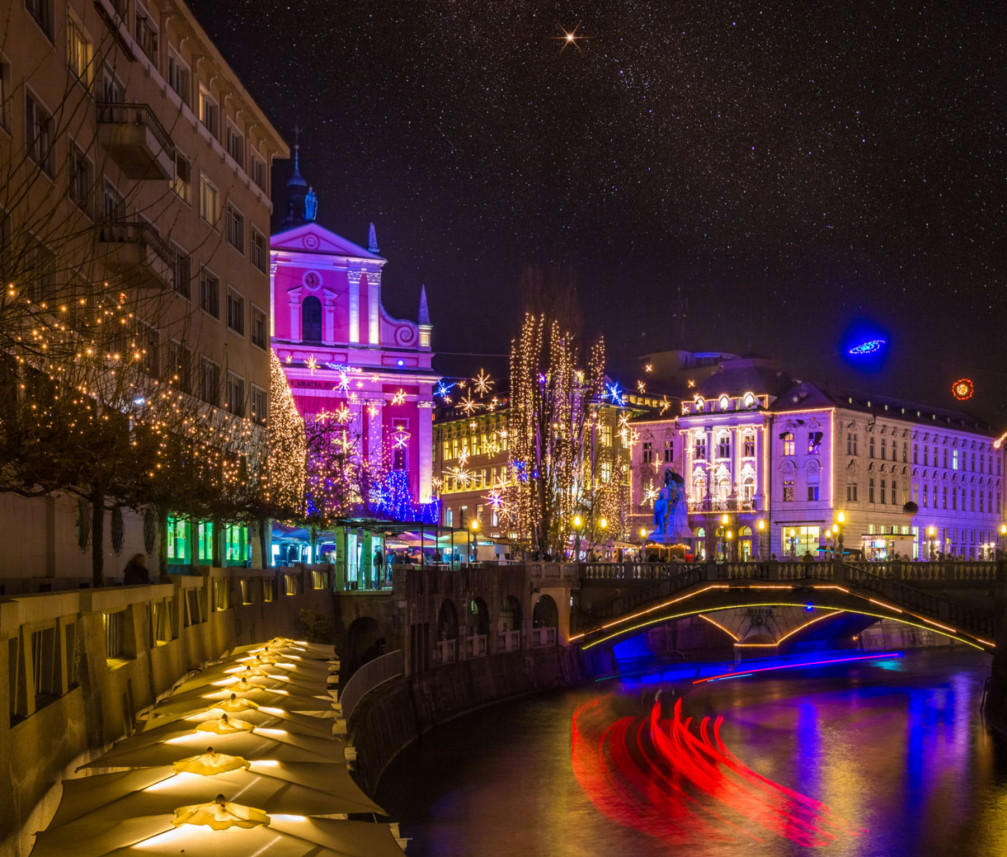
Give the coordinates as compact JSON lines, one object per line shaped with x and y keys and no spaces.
{"x":341,"y":351}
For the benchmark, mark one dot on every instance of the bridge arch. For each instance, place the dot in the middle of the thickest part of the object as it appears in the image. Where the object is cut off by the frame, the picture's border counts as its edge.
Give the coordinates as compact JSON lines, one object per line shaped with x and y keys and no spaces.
{"x":447,"y":621}
{"x":364,"y":642}
{"x":479,"y":617}
{"x":510,"y":614}
{"x":545,"y":614}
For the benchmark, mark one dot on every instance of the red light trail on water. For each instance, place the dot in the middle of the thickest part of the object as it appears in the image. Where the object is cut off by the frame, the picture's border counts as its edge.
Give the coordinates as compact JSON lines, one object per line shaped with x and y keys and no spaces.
{"x":656,"y":775}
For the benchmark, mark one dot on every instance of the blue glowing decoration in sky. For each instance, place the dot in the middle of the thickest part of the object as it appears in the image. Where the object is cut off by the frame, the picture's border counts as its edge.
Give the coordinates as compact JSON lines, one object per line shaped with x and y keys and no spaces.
{"x":865,"y":346}
{"x":871,"y":346}
{"x":443,"y":389}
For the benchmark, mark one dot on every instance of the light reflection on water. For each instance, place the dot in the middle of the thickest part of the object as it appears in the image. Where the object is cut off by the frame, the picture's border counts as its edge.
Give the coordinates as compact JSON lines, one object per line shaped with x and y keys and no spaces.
{"x":898,"y":750}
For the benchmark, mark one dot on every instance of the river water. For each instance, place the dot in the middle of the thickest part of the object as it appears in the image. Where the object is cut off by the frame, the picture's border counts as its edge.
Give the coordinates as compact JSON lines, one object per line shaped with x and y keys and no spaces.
{"x":882,"y":757}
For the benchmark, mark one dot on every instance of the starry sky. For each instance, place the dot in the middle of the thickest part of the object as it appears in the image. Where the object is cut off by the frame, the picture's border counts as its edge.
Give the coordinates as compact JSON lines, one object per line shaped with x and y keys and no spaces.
{"x":791,"y":167}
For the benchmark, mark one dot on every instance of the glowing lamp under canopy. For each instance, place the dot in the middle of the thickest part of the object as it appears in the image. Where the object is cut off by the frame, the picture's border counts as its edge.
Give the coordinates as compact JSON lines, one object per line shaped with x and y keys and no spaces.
{"x":221,"y":814}
{"x":209,"y":764}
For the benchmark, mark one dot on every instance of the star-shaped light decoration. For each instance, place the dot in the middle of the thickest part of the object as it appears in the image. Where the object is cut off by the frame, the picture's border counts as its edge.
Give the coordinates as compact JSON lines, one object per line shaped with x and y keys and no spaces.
{"x":289,"y":359}
{"x":482,"y":383}
{"x":311,"y":363}
{"x":569,"y":37}
{"x":399,"y":398}
{"x":692,"y":384}
{"x":372,"y":410}
{"x":665,"y":404}
{"x":641,"y":386}
{"x":342,"y":414}
{"x":443,"y":389}
{"x":400,"y":438}
{"x":469,"y":405}
{"x":343,"y":383}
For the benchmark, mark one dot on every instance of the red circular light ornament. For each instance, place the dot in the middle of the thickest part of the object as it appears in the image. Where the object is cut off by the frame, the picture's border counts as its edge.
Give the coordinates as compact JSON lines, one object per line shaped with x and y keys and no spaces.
{"x":963,"y":389}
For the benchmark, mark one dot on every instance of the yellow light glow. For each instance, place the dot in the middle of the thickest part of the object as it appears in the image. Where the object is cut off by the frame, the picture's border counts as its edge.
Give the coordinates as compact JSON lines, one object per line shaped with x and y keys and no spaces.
{"x":603,"y":523}
{"x":841,"y":517}
{"x":761,"y":525}
{"x":724,"y":519}
{"x":577,"y":521}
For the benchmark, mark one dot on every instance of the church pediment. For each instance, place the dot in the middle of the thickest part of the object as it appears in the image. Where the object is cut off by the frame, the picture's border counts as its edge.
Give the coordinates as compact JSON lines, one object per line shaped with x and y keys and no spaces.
{"x":312,"y":238}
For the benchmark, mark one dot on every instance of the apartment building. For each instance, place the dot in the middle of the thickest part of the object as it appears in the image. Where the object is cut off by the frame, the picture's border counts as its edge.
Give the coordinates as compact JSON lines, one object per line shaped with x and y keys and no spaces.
{"x":132,"y":155}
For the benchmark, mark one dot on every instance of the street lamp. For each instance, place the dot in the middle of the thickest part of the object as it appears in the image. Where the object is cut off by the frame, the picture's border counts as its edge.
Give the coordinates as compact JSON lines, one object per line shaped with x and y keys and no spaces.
{"x":473,"y":531}
{"x":931,"y":534}
{"x":603,"y":525}
{"x":578,"y":526}
{"x":723,"y":535}
{"x":760,"y":525}
{"x":793,"y":542}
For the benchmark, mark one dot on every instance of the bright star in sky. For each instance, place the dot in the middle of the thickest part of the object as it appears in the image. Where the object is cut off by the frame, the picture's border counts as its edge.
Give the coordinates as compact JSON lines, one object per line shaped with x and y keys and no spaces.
{"x":569,"y":37}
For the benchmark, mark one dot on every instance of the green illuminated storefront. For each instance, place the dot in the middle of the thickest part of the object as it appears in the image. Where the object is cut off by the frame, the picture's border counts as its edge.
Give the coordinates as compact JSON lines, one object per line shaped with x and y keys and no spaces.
{"x":185,"y":535}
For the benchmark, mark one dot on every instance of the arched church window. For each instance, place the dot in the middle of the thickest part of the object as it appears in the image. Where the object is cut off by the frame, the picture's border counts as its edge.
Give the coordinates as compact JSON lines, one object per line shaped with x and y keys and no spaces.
{"x":311,"y":320}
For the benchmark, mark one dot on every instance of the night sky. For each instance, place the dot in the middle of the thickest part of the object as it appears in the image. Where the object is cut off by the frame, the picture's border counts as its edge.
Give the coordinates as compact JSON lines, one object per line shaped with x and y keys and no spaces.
{"x":790,"y":168}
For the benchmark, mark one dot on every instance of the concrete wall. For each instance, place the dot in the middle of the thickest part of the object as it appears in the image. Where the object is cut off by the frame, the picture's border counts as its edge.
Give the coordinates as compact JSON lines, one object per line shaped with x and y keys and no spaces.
{"x":83,"y":700}
{"x":398,"y":712}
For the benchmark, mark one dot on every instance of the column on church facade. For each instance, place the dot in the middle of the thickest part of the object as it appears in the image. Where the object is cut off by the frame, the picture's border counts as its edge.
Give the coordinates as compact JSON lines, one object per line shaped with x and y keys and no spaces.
{"x":374,"y":308}
{"x":375,"y":430}
{"x":295,"y":317}
{"x":737,"y":440}
{"x":425,"y":419}
{"x":353,"y":279}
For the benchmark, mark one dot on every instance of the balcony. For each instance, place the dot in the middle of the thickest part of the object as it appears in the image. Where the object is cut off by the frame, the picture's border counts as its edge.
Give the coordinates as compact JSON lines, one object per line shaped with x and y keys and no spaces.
{"x":136,"y":140}
{"x":716,"y":504}
{"x":135,"y":245}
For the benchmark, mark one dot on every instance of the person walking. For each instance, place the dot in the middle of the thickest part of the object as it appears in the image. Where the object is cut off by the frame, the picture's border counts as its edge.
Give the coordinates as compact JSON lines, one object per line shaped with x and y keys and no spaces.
{"x":136,"y":571}
{"x":379,"y":567}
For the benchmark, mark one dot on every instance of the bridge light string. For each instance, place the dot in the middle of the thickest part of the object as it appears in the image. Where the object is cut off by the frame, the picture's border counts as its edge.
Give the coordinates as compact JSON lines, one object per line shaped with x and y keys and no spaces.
{"x":959,"y":636}
{"x":730,"y":633}
{"x":872,"y":657}
{"x":832,"y":586}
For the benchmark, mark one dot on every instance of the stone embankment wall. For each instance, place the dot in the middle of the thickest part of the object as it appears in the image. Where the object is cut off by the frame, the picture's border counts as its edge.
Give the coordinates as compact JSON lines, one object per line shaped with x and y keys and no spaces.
{"x":398,"y":712}
{"x":79,"y":666}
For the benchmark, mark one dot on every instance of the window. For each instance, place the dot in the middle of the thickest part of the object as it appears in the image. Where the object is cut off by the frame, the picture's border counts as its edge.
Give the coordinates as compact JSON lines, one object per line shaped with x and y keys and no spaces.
{"x":895,"y":491}
{"x":260,"y":406}
{"x":925,"y":496}
{"x":311,"y":320}
{"x":181,"y":182}
{"x":606,"y":472}
{"x":183,"y":273}
{"x":916,"y":453}
{"x":944,"y":497}
{"x":209,"y":381}
{"x":905,"y":453}
{"x":606,"y":435}
{"x":209,"y":293}
{"x":258,"y":328}
{"x":41,"y":11}
{"x":851,"y":492}
{"x":145,"y":33}
{"x":235,"y":312}
{"x":700,"y":448}
{"x":814,"y":442}
{"x":884,"y":451}
{"x":945,"y":458}
{"x":180,"y":366}
{"x":179,"y":77}
{"x":111,"y":87}
{"x":38,"y":132}
{"x":882,"y":498}
{"x":235,"y":144}
{"x":260,"y":253}
{"x":669,"y":451}
{"x":648,"y":452}
{"x":113,"y":206}
{"x":870,"y":447}
{"x":258,"y":170}
{"x":81,"y":179}
{"x":149,"y":342}
{"x":724,"y":446}
{"x":788,"y":490}
{"x":235,"y":394}
{"x":209,"y":201}
{"x":5,"y":86}
{"x":870,"y":490}
{"x":788,"y":442}
{"x":954,"y":459}
{"x":209,"y":112}
{"x":235,"y":229}
{"x":926,"y":456}
{"x":812,"y":492}
{"x":748,"y":449}
{"x":78,"y":52}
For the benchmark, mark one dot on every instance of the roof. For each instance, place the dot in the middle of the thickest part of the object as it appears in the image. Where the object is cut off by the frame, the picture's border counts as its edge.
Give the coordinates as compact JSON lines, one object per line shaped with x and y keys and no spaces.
{"x":312,"y":238}
{"x":806,"y":395}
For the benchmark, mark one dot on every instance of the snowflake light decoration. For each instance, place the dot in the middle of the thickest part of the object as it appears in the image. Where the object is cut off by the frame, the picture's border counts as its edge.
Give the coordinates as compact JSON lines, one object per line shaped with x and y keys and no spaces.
{"x":482,"y":383}
{"x":399,"y":397}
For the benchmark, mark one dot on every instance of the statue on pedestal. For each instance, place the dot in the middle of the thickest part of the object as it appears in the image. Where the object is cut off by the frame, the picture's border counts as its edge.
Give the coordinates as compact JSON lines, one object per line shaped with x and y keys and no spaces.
{"x":671,"y":514}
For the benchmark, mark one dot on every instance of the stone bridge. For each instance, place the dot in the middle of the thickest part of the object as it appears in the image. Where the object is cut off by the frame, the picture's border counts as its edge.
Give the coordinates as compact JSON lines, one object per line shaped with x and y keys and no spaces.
{"x":962,"y":600}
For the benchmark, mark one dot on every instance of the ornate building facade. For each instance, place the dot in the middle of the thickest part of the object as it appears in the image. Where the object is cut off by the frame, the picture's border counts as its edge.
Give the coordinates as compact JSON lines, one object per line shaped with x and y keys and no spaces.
{"x":344,"y":356}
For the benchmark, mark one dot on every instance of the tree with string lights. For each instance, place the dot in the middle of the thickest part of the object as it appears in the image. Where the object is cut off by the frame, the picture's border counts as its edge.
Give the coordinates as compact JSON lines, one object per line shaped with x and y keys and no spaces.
{"x":554,"y":385}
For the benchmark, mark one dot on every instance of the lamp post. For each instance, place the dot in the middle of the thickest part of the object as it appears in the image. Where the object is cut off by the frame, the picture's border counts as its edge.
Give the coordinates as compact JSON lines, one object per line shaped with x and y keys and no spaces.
{"x":1003,"y":535}
{"x":578,"y":527}
{"x":473,"y":531}
{"x":760,"y":527}
{"x":837,"y":528}
{"x":603,"y":526}
{"x":793,"y":542}
{"x":931,"y":534}
{"x":722,"y":532}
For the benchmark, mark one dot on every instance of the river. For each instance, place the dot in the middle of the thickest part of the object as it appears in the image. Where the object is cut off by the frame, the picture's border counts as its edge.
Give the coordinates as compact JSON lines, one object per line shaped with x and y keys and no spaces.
{"x":888,"y":756}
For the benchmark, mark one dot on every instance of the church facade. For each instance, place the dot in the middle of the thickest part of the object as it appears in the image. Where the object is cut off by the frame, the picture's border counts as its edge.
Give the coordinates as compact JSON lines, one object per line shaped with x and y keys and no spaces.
{"x":346,"y":359}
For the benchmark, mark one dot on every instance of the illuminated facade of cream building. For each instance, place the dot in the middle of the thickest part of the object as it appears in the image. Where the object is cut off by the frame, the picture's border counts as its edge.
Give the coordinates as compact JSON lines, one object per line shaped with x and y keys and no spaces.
{"x":793,"y":472}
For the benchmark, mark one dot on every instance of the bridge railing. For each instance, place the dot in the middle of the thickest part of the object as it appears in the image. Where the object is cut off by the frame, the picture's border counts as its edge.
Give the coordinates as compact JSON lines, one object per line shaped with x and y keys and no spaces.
{"x":369,"y":676}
